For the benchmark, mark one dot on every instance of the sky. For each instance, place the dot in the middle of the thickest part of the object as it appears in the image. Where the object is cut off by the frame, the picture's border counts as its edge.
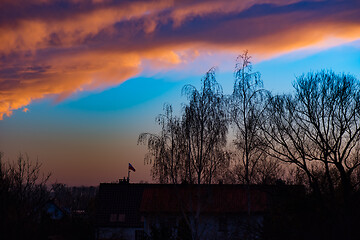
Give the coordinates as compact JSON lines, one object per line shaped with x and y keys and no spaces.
{"x":81,"y":79}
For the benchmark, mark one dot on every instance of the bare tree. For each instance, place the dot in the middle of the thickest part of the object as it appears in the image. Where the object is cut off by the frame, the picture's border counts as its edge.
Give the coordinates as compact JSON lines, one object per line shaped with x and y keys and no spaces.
{"x":27,"y":180}
{"x":246,"y":108}
{"x":167,"y":150}
{"x":191,"y":148}
{"x":206,"y":127}
{"x":23,"y":194}
{"x":318,"y":130}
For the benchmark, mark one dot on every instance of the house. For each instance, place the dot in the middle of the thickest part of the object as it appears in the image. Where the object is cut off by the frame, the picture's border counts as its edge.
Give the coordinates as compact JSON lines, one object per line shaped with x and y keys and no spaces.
{"x":118,"y":211}
{"x":216,"y":211}
{"x":54,"y":211}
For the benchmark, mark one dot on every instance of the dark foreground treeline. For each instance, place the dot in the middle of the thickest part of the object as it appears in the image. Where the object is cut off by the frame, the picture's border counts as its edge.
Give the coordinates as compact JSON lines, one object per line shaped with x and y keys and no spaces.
{"x":252,"y":136}
{"x":308,"y":216}
{"x":31,"y":209}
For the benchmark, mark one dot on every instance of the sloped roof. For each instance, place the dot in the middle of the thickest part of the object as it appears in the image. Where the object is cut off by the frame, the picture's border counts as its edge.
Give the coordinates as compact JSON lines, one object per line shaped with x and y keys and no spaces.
{"x":115,"y":198}
{"x":212,"y":199}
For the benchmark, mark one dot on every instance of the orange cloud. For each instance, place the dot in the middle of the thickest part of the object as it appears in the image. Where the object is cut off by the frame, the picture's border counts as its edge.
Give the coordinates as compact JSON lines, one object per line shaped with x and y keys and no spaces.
{"x":86,"y":45}
{"x":35,"y":33}
{"x":66,"y":74}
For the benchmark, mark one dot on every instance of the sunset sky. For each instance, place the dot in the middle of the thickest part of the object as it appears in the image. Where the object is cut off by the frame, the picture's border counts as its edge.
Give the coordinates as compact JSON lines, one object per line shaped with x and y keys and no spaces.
{"x":81,"y":79}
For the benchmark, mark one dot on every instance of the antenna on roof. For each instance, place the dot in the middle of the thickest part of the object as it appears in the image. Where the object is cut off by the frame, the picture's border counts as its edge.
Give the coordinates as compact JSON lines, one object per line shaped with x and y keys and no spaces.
{"x":123,"y":181}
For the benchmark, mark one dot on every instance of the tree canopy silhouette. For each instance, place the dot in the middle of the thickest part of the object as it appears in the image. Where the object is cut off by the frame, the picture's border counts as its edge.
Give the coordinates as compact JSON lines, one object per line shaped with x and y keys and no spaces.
{"x":191,"y":148}
{"x":318,"y":130}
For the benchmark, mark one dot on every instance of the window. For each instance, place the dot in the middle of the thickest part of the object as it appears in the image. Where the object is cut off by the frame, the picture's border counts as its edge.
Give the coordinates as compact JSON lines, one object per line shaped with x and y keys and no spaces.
{"x":139,"y":235}
{"x":121,"y":218}
{"x":113,"y":217}
{"x":222,"y":224}
{"x":117,"y":217}
{"x":171,"y":221}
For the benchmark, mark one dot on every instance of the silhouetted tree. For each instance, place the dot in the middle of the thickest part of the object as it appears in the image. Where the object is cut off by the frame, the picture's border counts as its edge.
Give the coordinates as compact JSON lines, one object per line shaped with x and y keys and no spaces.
{"x":246,"y":108}
{"x":318,"y":130}
{"x":167,"y":150}
{"x":191,"y":148}
{"x":246,"y":114}
{"x":206,"y":127}
{"x":23,"y":195}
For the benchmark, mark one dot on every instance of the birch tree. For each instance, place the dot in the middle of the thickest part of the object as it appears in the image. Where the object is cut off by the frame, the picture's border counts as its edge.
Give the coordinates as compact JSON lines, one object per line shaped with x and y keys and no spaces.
{"x":206,"y":127}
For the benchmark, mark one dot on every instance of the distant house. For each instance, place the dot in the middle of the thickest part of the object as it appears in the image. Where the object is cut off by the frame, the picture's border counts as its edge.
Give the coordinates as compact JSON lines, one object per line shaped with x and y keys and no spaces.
{"x":54,"y":211}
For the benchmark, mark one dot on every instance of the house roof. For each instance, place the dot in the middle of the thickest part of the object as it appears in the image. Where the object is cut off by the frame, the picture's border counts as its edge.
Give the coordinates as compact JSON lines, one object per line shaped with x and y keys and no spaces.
{"x":211,"y":199}
{"x":119,"y":199}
